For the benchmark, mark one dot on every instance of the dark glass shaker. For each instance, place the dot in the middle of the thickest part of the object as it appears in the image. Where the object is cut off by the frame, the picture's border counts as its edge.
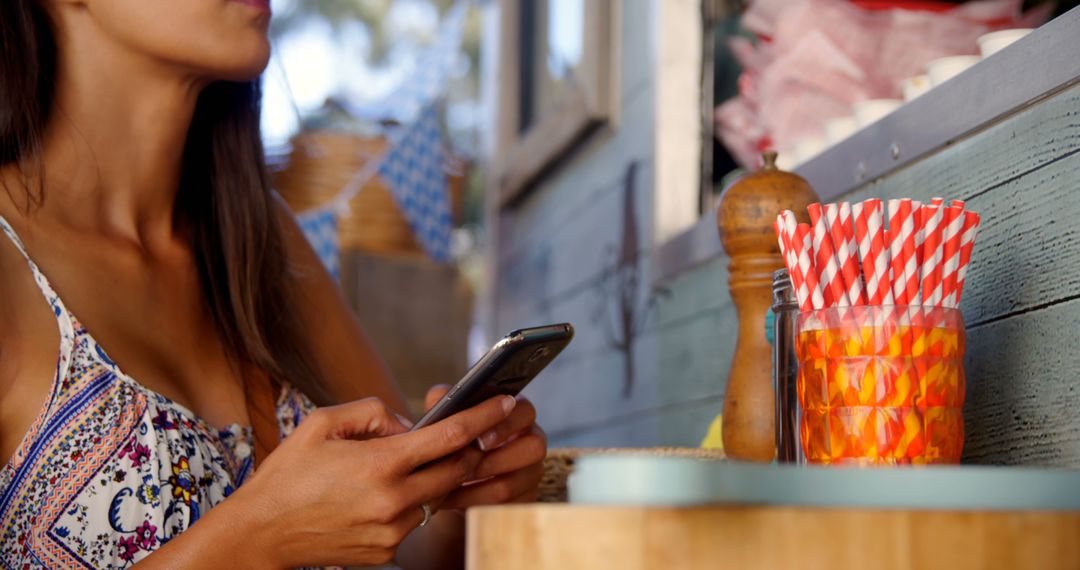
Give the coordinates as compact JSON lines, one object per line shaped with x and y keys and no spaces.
{"x":785,"y":369}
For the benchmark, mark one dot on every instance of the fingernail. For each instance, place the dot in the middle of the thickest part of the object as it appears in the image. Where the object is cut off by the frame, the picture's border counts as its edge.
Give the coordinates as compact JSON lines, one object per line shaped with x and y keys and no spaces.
{"x":487,"y":441}
{"x":508,"y":403}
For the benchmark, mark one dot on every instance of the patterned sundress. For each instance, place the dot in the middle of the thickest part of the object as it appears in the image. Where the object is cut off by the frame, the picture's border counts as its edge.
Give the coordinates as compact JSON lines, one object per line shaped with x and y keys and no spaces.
{"x":110,"y":470}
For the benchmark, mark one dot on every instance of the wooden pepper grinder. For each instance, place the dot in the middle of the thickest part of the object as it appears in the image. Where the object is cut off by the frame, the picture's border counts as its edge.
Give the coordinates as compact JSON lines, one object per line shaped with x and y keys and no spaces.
{"x":745,"y":220}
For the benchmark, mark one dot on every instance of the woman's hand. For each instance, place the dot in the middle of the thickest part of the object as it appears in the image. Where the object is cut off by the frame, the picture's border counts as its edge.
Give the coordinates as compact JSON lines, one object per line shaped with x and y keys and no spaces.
{"x":345,"y":487}
{"x":511,"y":465}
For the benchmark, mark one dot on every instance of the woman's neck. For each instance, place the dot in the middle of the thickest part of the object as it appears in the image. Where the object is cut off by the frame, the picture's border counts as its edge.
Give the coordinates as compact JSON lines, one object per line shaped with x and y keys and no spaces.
{"x":113,"y":149}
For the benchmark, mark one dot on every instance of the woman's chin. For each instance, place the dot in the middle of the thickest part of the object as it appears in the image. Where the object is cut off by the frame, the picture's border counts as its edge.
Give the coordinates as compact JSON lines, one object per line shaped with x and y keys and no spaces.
{"x":243,"y":74}
{"x":240,"y":69}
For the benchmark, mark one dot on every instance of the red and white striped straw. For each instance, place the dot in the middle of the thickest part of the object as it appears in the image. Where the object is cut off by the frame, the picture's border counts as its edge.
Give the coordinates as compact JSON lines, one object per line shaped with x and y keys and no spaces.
{"x":802,"y":242}
{"x":792,"y":264}
{"x":925,"y":224}
{"x":801,"y":265}
{"x":849,"y":256}
{"x":825,"y":262}
{"x":783,"y":243}
{"x":905,"y":265}
{"x":862,"y":248}
{"x":870,"y":236}
{"x":842,"y":230}
{"x":953,"y":225}
{"x":967,"y":245}
{"x":930,"y":272}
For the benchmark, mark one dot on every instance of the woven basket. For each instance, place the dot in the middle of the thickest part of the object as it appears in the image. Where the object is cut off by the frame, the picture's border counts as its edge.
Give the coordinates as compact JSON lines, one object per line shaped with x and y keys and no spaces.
{"x":559,"y":463}
{"x":322,"y":162}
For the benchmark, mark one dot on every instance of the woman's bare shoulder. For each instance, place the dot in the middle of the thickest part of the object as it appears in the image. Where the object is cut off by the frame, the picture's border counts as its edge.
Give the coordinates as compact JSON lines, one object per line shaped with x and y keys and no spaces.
{"x":29,"y":343}
{"x":11,"y":267}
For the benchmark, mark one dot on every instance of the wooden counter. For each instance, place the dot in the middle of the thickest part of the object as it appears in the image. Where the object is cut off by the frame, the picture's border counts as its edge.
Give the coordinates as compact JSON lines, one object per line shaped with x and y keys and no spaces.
{"x":561,"y":536}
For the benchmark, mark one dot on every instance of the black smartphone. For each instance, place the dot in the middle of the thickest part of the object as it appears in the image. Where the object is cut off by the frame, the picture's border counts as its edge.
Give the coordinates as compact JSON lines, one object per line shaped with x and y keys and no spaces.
{"x":506,"y":369}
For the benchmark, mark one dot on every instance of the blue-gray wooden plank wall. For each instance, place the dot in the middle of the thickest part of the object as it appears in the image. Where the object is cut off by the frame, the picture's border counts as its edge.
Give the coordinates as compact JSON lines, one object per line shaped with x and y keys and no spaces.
{"x":1022,"y":304}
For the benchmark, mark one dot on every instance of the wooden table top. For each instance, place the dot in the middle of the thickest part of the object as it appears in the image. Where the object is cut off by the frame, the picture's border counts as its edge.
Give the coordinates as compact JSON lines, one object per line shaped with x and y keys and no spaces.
{"x":563,"y":536}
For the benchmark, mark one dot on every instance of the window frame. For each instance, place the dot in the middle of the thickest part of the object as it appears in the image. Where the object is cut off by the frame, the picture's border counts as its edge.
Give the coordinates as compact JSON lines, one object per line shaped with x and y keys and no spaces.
{"x":527,"y":154}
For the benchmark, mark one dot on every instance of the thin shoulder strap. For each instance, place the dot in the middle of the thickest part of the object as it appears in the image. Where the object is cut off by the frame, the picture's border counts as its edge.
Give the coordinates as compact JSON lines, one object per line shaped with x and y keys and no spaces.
{"x":39,"y":277}
{"x":63,"y":318}
{"x":6,"y":227}
{"x":67,"y":342}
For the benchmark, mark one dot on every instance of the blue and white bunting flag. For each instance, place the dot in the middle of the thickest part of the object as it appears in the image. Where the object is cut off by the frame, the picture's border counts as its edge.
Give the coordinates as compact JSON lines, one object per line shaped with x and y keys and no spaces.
{"x":413,"y":165}
{"x":321,"y":228}
{"x":413,"y":168}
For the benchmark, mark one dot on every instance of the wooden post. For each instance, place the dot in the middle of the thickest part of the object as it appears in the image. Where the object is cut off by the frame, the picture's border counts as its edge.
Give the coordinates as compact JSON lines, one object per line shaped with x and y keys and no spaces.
{"x":745,"y":220}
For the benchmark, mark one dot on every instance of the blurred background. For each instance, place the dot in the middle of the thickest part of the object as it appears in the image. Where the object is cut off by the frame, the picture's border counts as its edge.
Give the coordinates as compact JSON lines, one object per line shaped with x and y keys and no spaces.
{"x":466,"y":168}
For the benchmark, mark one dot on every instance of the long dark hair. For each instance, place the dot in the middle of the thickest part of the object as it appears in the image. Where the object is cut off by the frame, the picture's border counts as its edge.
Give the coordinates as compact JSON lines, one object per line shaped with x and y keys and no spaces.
{"x":224,"y":197}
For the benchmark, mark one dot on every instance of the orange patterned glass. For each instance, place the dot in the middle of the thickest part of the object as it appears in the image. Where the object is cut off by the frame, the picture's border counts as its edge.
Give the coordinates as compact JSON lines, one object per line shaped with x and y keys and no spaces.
{"x":881,"y":385}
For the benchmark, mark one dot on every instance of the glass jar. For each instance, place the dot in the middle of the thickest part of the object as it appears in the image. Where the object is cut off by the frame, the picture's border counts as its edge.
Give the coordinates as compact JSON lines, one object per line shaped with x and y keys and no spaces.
{"x":881,"y":385}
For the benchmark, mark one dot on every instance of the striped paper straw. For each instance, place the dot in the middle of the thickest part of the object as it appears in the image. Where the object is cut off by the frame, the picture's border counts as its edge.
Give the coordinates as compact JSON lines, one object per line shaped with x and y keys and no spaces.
{"x":848,"y":256}
{"x":930,"y":271}
{"x":802,"y":242}
{"x":925,"y":225}
{"x":842,"y":230}
{"x":967,"y":245}
{"x":825,"y":263}
{"x":950,"y":260}
{"x":862,"y":248}
{"x":801,"y":265}
{"x":792,"y":264}
{"x":904,"y":263}
{"x":870,"y":236}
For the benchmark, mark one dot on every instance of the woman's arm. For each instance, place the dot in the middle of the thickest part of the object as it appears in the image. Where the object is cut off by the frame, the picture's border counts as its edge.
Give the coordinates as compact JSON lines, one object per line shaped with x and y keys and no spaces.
{"x":343,"y":353}
{"x":353,"y":370}
{"x":227,"y":536}
{"x":511,"y":468}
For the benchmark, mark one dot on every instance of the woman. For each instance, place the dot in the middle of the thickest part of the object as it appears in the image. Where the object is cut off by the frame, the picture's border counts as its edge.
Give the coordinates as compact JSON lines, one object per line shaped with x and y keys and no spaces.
{"x":135,"y":198}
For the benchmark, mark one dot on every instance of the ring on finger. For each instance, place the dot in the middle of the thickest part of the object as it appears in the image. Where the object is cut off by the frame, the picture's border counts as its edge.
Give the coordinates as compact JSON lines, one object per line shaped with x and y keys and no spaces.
{"x":427,"y":515}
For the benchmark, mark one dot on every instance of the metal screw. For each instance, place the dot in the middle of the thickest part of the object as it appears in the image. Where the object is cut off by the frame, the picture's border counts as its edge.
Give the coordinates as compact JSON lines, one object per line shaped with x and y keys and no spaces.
{"x":895,"y":150}
{"x":860,"y":170}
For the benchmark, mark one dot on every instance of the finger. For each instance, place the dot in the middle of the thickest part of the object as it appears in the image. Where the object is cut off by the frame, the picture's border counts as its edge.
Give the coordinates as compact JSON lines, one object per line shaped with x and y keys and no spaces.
{"x":412,"y":518}
{"x":529,"y":496}
{"x":497,"y":490}
{"x":523,"y":416}
{"x":359,"y":419}
{"x":436,"y":480}
{"x":518,"y":454}
{"x":434,"y":394}
{"x":404,"y":421}
{"x":393,"y":533}
{"x":455,"y":432}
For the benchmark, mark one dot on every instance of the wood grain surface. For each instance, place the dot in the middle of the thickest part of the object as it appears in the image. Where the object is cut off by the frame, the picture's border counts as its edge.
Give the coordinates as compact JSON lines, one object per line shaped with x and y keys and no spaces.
{"x":745,"y":220}
{"x":566,"y":537}
{"x":1022,"y":176}
{"x":1023,"y":393}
